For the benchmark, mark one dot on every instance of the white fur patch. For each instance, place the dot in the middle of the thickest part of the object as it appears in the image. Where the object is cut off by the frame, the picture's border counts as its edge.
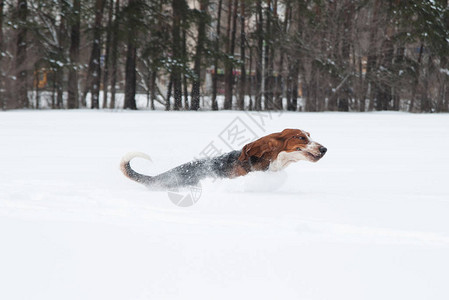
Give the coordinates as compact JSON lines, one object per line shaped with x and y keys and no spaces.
{"x":285,"y":158}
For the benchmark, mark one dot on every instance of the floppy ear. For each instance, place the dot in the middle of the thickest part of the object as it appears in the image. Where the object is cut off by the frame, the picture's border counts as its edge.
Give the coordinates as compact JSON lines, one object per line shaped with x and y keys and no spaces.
{"x":257,"y":148}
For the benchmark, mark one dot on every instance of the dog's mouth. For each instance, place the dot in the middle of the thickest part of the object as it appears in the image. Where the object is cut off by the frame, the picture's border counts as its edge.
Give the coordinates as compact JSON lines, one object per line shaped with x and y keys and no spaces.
{"x":312,"y":157}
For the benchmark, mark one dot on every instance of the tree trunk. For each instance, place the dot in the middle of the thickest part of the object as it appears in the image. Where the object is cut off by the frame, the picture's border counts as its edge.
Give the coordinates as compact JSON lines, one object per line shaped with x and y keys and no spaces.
{"x":130,"y":73}
{"x":59,"y":83}
{"x":295,"y":87}
{"x":62,"y":34}
{"x":279,"y":86}
{"x":72,"y":85}
{"x":446,"y":97}
{"x":53,"y":91}
{"x":217,"y":49}
{"x":2,"y":95}
{"x":289,"y":88}
{"x":268,"y":91}
{"x":94,"y":70}
{"x":202,"y":22}
{"x":21,"y":73}
{"x":294,"y":58}
{"x":178,"y":9}
{"x":184,"y":75}
{"x":399,"y":60}
{"x":147,"y":90}
{"x":345,"y":96}
{"x":372,"y":57}
{"x":107,"y":58}
{"x":229,"y":76}
{"x":426,"y":102}
{"x":131,"y":57}
{"x":251,"y":81}
{"x":416,"y":81}
{"x":312,"y":89}
{"x":440,"y":105}
{"x":36,"y":90}
{"x":361,"y":93}
{"x":169,"y":88}
{"x":114,"y":54}
{"x":227,"y":65}
{"x":96,"y":53}
{"x":185,"y":91}
{"x":242,"y":87}
{"x":384,"y":93}
{"x":260,"y":38}
{"x":153,"y":88}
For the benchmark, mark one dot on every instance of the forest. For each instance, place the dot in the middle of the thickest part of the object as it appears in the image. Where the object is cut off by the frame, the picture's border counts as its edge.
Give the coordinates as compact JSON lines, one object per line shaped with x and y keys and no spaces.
{"x":295,"y":55}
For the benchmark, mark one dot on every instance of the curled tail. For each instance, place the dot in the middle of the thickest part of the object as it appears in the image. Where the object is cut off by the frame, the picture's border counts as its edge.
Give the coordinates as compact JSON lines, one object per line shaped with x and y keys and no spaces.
{"x":188,"y":174}
{"x":126,"y":169}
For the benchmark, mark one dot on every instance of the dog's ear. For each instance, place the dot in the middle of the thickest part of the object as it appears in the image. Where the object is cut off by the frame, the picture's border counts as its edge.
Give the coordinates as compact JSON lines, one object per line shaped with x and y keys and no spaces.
{"x":257,"y":149}
{"x":244,"y":155}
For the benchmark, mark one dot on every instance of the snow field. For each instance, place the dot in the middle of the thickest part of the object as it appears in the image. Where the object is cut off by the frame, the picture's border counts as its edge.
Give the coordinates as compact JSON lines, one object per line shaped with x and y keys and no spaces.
{"x":368,"y":221}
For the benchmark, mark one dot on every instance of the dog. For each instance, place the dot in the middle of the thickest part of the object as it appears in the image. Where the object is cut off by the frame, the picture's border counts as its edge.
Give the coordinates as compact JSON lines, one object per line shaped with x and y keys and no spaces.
{"x":273,"y":152}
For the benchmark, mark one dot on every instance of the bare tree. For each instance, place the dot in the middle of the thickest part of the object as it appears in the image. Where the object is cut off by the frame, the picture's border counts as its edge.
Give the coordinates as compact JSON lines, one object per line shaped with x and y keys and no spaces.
{"x":202,"y":22}
{"x":94,"y":71}
{"x":178,"y":7}
{"x":107,"y":58}
{"x":242,"y":85}
{"x":114,"y":53}
{"x":131,"y":56}
{"x":75,"y":21}
{"x":282,"y":32}
{"x":2,"y":99}
{"x":259,"y":57}
{"x":21,"y":73}
{"x":184,"y":73}
{"x":268,"y":58}
{"x":217,"y":50}
{"x":230,"y":47}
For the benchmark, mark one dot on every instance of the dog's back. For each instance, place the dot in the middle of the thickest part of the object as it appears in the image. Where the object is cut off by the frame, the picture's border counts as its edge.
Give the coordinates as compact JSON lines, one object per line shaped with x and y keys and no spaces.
{"x":187,"y":174}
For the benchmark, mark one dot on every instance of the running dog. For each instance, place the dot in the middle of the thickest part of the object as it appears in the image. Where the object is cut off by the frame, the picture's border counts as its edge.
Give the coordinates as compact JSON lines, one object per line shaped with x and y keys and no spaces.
{"x":273,"y":152}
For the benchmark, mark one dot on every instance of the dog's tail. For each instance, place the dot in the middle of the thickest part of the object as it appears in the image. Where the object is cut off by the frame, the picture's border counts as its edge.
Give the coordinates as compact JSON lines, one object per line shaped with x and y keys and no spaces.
{"x":126,"y":169}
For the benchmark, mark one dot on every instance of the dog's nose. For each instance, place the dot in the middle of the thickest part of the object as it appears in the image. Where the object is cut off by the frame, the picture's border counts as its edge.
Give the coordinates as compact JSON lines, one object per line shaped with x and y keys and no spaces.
{"x":323,"y":150}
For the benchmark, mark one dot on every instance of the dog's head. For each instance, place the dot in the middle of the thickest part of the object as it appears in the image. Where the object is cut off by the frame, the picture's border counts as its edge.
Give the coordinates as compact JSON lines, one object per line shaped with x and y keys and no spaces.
{"x":282,"y":148}
{"x":299,"y":141}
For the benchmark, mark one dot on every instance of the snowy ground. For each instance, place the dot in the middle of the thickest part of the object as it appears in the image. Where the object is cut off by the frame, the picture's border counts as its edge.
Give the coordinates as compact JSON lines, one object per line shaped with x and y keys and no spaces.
{"x":369,"y":221}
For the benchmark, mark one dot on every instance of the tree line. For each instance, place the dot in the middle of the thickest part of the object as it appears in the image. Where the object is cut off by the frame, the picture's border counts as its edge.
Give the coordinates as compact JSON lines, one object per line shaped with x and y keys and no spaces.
{"x":296,"y":55}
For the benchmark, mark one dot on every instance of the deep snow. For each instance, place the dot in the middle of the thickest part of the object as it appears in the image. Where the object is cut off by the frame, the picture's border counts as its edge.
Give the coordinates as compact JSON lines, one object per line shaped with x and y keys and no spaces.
{"x":368,"y":221}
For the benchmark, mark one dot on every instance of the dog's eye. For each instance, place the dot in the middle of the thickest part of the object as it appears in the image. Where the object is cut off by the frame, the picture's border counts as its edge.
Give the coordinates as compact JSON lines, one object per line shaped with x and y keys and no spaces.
{"x":298,"y":149}
{"x":301,"y":137}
